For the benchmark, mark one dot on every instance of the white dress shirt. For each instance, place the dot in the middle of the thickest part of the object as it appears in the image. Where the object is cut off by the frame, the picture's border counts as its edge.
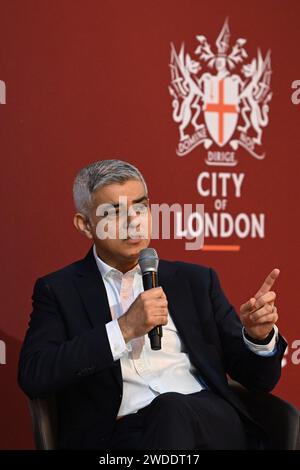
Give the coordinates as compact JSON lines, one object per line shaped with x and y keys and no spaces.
{"x":147,"y":373}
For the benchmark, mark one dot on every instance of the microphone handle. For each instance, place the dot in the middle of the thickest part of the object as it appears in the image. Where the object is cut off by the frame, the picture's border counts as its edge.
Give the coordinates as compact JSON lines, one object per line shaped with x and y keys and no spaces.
{"x":150,"y":280}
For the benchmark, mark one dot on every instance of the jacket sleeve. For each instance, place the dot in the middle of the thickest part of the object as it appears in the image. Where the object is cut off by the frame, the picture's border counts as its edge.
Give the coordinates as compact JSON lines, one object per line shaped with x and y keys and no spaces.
{"x":48,"y":360}
{"x":254,"y":371}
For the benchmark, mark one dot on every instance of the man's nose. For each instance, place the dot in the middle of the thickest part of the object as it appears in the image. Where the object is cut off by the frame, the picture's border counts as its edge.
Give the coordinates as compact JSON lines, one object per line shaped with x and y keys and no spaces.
{"x":132,"y":219}
{"x":132,"y":214}
{"x":128,"y":217}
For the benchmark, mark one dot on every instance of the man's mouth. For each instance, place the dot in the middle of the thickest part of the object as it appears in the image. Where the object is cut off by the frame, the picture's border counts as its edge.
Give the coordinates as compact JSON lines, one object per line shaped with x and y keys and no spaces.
{"x":134,"y":239}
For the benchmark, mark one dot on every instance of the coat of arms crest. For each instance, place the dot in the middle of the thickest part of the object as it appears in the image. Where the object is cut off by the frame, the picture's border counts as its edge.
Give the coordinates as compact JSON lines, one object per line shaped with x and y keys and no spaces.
{"x":219,"y":99}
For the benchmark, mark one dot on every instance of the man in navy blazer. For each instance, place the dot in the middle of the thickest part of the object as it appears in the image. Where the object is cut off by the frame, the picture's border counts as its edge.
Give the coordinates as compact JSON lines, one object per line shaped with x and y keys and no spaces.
{"x":87,"y":340}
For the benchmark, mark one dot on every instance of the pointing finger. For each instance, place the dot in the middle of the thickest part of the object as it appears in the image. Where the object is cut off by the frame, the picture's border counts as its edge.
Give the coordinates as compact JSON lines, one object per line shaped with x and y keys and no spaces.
{"x":268,"y":283}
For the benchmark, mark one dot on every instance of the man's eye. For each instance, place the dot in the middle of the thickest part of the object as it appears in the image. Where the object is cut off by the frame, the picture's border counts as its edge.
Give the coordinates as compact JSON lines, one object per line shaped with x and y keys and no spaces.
{"x":109,"y":213}
{"x":112,"y":213}
{"x":140,"y":207}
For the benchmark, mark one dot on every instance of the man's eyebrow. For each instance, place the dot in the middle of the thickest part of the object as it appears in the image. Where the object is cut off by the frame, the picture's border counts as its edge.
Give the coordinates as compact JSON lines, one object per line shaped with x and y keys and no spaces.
{"x":140,"y":199}
{"x":135,"y":201}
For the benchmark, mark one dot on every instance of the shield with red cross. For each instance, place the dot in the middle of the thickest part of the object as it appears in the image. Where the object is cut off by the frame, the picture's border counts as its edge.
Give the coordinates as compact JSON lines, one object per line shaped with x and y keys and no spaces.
{"x":220,"y":108}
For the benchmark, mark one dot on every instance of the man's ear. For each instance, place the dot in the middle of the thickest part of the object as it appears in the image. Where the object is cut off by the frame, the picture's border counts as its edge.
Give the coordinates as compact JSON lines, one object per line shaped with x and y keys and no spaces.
{"x":82,"y":224}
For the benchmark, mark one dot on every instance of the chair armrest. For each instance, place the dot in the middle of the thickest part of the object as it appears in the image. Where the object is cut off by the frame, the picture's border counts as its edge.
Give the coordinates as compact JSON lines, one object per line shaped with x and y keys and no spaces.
{"x":44,"y":420}
{"x":279,"y":418}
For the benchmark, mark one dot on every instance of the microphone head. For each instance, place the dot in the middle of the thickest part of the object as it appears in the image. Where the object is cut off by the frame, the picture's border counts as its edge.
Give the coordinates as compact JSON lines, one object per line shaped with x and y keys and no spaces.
{"x":148,"y":260}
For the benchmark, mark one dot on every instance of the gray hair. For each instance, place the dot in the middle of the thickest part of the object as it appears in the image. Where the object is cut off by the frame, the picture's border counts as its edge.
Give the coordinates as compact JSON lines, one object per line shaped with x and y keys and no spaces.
{"x":99,"y":174}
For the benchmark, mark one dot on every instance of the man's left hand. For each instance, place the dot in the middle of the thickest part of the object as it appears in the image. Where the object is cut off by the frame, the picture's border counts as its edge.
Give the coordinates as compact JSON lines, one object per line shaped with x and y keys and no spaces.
{"x":259,"y":314}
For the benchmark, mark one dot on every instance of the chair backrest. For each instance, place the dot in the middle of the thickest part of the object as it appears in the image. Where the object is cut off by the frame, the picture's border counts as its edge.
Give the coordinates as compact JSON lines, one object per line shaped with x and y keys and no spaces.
{"x":44,"y":419}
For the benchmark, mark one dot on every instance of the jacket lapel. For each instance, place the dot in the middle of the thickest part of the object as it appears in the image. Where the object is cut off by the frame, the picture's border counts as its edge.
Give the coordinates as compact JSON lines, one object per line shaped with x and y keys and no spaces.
{"x":183,"y":312}
{"x":92,"y":291}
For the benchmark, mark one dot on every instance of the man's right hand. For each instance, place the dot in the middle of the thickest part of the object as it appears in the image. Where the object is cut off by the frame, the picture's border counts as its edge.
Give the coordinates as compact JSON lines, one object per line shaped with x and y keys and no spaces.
{"x":149,"y":309}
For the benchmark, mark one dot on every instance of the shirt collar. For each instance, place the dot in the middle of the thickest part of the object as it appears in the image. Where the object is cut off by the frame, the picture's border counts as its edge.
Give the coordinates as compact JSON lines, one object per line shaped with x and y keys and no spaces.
{"x":106,"y":270}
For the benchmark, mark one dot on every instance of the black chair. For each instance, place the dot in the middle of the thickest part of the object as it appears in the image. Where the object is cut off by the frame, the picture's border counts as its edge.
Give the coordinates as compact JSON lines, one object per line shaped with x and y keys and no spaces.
{"x":44,"y":421}
{"x":280,"y":419}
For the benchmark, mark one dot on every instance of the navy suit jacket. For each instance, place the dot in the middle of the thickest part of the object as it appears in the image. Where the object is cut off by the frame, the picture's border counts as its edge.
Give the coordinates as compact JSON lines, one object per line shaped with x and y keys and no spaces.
{"x":66,"y":351}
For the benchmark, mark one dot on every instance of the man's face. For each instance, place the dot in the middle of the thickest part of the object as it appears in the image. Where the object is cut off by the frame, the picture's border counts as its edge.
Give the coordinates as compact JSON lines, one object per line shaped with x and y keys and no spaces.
{"x":123,"y":209}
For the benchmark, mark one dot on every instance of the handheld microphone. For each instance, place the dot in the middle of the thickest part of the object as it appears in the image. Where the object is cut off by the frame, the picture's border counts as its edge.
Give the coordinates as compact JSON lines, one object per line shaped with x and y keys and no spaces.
{"x":148,"y":261}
